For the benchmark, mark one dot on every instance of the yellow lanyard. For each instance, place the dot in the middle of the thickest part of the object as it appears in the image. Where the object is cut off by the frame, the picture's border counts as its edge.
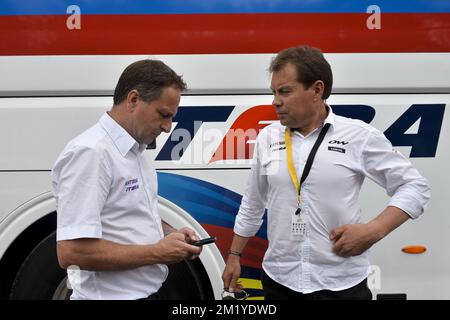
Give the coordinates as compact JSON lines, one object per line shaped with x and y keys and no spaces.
{"x":309,"y":161}
{"x":290,"y":164}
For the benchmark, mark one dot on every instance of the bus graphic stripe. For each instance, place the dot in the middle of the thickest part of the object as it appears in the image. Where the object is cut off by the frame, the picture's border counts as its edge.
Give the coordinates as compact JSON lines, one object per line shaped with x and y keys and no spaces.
{"x":41,"y":7}
{"x":222,"y":33}
{"x":215,"y":208}
{"x":206,"y":202}
{"x":253,"y":252}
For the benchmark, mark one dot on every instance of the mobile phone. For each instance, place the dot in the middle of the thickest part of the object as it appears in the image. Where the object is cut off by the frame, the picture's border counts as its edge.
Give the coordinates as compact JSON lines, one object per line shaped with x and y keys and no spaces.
{"x":201,"y":242}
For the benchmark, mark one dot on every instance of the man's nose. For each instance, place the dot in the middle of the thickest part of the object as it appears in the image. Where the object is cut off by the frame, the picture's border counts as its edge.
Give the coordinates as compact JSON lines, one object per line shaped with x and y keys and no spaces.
{"x":276,"y":101}
{"x":166,"y":125}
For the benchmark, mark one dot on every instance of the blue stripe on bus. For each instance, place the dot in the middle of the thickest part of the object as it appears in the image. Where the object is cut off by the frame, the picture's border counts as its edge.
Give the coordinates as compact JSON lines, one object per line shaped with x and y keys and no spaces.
{"x":251,"y":273}
{"x":43,"y":7}
{"x":205,"y":201}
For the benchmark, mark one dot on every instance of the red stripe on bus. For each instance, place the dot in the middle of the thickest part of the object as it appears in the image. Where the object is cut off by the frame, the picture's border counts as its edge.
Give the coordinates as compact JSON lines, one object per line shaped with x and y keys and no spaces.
{"x":253,"y":253}
{"x":222,"y":33}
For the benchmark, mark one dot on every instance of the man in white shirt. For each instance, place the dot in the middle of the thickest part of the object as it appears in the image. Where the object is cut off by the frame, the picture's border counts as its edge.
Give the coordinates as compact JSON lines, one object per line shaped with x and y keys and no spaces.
{"x":310,"y":187}
{"x":105,"y":186}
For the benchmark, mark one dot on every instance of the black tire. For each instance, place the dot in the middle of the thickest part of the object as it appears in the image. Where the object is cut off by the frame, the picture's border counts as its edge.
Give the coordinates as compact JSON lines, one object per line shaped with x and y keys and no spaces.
{"x":184,"y":282}
{"x":40,"y":273}
{"x":40,"y":277}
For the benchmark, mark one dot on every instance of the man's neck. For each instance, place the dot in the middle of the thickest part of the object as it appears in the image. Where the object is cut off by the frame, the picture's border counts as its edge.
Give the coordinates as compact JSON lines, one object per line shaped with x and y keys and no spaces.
{"x":118,"y":115}
{"x":316,"y":122}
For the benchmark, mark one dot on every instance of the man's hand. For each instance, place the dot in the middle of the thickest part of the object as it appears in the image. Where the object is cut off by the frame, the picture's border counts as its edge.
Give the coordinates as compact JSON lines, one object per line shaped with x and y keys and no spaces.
{"x":352,"y":239}
{"x":190,"y":237}
{"x":173,"y":248}
{"x":231,"y":274}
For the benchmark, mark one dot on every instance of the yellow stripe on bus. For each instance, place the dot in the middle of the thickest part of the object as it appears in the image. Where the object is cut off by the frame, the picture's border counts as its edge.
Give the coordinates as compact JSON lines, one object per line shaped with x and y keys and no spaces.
{"x":252,"y":284}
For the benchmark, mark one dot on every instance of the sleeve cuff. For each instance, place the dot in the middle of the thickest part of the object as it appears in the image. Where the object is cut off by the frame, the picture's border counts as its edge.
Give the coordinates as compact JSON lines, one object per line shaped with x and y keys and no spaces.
{"x":246,"y":230}
{"x":76,"y":232}
{"x":414,"y":211}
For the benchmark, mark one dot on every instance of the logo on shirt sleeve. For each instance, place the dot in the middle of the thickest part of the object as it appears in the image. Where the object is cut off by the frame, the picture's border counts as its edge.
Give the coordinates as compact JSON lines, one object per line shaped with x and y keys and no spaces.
{"x":131,"y":185}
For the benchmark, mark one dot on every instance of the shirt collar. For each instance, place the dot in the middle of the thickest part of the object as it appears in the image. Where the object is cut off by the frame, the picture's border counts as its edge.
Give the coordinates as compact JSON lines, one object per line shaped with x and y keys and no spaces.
{"x":329,"y":119}
{"x":121,"y":138}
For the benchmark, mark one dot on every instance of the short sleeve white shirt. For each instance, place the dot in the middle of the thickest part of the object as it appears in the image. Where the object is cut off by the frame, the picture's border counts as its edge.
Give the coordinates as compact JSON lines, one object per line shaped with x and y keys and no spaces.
{"x":351,"y":151}
{"x":105,"y":187}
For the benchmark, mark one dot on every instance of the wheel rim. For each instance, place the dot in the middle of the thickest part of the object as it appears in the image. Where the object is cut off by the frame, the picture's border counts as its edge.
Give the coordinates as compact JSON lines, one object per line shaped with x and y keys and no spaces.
{"x":62,"y":292}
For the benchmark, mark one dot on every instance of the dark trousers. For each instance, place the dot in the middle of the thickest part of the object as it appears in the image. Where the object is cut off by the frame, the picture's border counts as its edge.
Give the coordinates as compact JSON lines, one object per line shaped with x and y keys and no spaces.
{"x":275,"y":291}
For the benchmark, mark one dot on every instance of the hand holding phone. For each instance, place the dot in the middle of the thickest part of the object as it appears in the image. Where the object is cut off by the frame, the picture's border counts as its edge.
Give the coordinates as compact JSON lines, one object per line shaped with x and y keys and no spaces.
{"x":201,"y":242}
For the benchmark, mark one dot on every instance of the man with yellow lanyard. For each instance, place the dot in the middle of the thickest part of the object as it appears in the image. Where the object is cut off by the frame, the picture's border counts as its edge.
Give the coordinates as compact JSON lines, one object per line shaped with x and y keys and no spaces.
{"x":310,"y":187}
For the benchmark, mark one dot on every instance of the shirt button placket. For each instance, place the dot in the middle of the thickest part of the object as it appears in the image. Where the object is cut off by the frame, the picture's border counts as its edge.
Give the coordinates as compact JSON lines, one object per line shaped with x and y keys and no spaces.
{"x":306,"y":271}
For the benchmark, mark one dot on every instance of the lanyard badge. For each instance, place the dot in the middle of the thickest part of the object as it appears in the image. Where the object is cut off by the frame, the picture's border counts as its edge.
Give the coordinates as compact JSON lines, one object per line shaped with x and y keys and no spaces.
{"x":298,"y":224}
{"x":298,"y":227}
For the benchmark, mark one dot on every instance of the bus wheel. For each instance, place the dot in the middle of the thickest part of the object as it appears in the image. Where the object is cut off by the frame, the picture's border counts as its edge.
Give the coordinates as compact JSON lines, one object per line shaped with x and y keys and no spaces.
{"x":40,"y":275}
{"x":187,"y":280}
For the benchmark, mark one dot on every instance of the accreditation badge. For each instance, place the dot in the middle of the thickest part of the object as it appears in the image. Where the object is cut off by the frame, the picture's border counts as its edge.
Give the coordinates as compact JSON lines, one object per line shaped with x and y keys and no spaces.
{"x":298,"y":227}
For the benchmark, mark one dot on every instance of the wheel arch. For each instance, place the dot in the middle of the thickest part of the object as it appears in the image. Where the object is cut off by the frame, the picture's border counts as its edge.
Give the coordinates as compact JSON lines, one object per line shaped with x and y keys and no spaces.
{"x":20,"y":232}
{"x":210,"y":257}
{"x":41,"y":210}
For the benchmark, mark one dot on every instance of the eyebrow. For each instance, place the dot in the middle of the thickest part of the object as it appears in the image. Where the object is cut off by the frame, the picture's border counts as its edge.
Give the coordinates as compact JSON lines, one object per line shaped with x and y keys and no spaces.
{"x":165,"y":112}
{"x":287,"y":86}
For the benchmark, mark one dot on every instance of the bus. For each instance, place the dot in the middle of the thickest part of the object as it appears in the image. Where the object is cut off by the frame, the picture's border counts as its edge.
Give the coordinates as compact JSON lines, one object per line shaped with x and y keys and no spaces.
{"x":59,"y":63}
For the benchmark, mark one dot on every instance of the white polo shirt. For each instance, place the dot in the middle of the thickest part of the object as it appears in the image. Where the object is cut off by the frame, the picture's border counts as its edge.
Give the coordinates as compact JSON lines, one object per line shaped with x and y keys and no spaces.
{"x":350,"y":151}
{"x":105,"y":187}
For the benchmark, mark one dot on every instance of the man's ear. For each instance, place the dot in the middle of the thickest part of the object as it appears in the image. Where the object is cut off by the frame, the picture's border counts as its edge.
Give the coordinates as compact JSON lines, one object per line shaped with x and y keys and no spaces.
{"x":318,"y":87}
{"x":132,"y":99}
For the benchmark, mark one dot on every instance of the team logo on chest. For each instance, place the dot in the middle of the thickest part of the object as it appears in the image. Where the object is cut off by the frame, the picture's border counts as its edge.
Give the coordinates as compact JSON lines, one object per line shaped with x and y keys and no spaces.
{"x":335,"y":145}
{"x":276,"y":146}
{"x":131,"y":185}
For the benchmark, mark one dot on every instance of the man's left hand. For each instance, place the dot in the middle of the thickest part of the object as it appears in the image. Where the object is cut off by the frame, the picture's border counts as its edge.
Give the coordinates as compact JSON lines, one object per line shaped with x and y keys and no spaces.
{"x":352,"y":239}
{"x":190,"y":237}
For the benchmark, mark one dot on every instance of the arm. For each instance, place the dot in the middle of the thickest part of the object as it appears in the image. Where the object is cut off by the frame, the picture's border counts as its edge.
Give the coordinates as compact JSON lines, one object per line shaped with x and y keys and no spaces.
{"x":354,"y":239}
{"x":248,"y":221}
{"x":409,"y":193}
{"x":233,"y":267}
{"x":102,"y":255}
